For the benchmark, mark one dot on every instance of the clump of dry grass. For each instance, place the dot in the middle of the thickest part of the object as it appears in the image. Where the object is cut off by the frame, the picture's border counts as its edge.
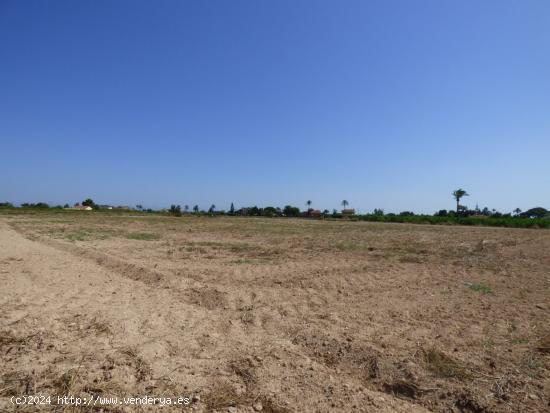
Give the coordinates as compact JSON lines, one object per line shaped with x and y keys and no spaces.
{"x":373,"y":367}
{"x":402,"y":388}
{"x":16,"y":383}
{"x":9,"y":339}
{"x":270,"y":406}
{"x":247,"y":315}
{"x":531,"y":364}
{"x":502,"y":386}
{"x":245,"y":370}
{"x":142,"y":368}
{"x":67,"y":383}
{"x":210,"y":298}
{"x":224,"y":395}
{"x":99,"y":326}
{"x":443,"y":365}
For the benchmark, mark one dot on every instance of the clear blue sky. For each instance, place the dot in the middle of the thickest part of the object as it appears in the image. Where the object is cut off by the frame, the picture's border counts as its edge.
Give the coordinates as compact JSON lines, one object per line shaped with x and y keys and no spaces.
{"x":388,"y":104}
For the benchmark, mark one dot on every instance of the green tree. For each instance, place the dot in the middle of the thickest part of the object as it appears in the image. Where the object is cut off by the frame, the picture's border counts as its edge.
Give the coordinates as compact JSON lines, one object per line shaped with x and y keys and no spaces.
{"x":537,"y":212}
{"x":186,"y":208}
{"x":175,"y":210}
{"x":89,"y":202}
{"x":517,"y":211}
{"x":269,"y":211}
{"x":196,"y":209}
{"x":291,"y":211}
{"x":457,"y":194}
{"x":232,"y":209}
{"x":212,"y":208}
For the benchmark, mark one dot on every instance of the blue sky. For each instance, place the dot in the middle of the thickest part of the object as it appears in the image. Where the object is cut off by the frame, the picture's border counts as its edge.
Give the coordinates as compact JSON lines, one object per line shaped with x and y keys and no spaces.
{"x":388,"y":104}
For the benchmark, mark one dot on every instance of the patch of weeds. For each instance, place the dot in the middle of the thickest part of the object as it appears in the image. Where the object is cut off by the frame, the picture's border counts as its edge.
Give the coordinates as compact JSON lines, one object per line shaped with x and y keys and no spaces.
{"x":240,"y":247}
{"x":143,"y":236}
{"x":531,"y":364}
{"x":212,"y":244}
{"x":519,"y":340}
{"x":193,"y":249}
{"x":481,"y":288}
{"x":77,"y":235}
{"x":443,"y":365}
{"x":242,"y":261}
{"x":488,"y":344}
{"x":84,"y":234}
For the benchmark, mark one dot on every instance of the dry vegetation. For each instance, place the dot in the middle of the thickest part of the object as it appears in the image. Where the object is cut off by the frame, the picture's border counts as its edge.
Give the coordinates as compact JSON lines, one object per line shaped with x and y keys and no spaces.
{"x":274,"y":315}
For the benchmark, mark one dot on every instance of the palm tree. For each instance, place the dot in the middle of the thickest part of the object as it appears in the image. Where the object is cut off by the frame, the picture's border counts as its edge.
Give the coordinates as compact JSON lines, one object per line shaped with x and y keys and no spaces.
{"x":517,"y":211}
{"x":457,"y":194}
{"x":308,"y":203}
{"x":186,"y":208}
{"x":345,"y":203}
{"x":212,"y":208}
{"x":196,"y":208}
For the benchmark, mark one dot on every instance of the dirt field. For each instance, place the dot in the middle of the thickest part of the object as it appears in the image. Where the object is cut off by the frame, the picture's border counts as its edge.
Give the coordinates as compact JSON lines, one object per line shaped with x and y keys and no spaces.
{"x":274,"y":315}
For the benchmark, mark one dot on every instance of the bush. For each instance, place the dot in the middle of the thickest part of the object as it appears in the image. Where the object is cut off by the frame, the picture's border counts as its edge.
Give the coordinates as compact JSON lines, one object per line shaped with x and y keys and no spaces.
{"x":492,"y":221}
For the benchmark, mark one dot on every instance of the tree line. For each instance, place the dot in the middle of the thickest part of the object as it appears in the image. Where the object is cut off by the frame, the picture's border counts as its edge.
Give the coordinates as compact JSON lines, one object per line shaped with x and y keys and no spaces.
{"x":460,"y":213}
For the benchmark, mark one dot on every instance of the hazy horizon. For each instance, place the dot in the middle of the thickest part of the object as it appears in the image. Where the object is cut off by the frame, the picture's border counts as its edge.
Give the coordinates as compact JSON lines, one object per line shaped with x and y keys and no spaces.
{"x":387,"y":105}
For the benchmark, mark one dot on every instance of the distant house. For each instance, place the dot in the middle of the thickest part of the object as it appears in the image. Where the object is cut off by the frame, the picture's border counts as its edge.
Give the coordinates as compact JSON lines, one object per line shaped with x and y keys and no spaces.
{"x":348,"y":212}
{"x":82,"y":207}
{"x":242,"y":211}
{"x":314,"y":213}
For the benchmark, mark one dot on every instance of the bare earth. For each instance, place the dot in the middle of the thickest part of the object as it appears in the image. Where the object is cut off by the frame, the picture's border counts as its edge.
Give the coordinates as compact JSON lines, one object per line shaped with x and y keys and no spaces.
{"x":274,"y":315}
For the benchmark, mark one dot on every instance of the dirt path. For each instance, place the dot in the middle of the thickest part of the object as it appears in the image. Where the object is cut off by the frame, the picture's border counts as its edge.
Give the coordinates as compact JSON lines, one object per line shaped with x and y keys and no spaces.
{"x":75,"y":322}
